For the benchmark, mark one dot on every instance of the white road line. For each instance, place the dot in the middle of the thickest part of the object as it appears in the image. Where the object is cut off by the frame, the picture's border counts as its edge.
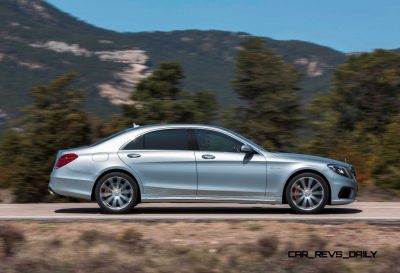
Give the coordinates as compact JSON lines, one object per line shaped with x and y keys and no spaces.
{"x":359,"y":211}
{"x":2,"y":206}
{"x":196,"y":218}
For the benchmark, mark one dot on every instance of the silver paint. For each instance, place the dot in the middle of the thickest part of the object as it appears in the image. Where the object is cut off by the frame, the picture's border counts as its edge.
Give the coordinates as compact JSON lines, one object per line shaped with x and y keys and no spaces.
{"x":186,"y":176}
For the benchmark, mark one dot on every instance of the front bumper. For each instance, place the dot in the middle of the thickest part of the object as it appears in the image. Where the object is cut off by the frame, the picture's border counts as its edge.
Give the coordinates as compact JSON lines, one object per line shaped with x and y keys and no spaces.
{"x":343,"y":190}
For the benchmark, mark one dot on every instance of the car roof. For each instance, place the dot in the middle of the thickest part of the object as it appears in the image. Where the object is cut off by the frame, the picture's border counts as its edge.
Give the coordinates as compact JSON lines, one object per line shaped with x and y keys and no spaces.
{"x":178,"y":125}
{"x":121,"y":138}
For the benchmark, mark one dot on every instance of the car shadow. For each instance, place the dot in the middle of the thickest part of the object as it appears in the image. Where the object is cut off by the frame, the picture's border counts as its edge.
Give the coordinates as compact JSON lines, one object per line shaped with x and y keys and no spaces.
{"x":208,"y":210}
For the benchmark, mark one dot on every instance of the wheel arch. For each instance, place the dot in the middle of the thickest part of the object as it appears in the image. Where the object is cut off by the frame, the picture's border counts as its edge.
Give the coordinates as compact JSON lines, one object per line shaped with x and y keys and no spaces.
{"x":93,"y":198}
{"x":284,"y":201}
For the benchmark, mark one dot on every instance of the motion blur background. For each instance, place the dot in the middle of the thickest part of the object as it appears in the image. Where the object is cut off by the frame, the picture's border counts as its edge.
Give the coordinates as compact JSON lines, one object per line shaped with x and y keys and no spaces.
{"x":66,"y":83}
{"x":296,"y":76}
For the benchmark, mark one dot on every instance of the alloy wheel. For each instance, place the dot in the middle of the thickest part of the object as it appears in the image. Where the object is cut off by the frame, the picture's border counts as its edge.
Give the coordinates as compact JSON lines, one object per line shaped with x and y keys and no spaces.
{"x":116,"y":193}
{"x":307,"y":193}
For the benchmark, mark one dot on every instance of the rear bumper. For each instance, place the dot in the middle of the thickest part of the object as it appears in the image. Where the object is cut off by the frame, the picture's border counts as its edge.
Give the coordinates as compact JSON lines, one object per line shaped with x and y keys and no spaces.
{"x":51,"y":190}
{"x":70,"y":187}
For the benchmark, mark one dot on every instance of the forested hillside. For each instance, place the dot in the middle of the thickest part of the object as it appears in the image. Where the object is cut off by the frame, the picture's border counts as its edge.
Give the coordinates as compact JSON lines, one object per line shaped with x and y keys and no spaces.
{"x":39,"y":42}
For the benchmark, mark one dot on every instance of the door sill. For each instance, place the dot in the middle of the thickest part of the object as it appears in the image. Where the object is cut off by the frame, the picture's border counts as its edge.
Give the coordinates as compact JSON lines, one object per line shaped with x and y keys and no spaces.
{"x":208,"y":199}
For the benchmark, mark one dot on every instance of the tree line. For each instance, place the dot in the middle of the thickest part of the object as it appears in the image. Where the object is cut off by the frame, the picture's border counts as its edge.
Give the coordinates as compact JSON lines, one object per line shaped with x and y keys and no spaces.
{"x":358,"y":119}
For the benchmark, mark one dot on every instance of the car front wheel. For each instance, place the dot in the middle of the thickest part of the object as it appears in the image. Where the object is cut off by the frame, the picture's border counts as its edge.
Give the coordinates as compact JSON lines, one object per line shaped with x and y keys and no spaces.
{"x":117,"y":193}
{"x":307,"y":193}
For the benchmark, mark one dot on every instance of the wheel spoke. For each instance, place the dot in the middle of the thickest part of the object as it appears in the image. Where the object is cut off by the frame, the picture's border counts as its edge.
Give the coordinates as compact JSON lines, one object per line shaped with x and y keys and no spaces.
{"x":110,"y":182}
{"x":116,"y":192}
{"x":311,"y":201}
{"x":114,"y":202}
{"x":105,"y":194}
{"x":316,"y":186}
{"x":315,"y":199}
{"x":124,"y":197}
{"x":307,"y":193}
{"x":299,"y":199}
{"x":312,"y":181}
{"x":298,"y":194}
{"x":109,"y":199}
{"x":303,"y":185}
{"x":308,"y":181}
{"x":304,"y":202}
{"x":107,"y":187}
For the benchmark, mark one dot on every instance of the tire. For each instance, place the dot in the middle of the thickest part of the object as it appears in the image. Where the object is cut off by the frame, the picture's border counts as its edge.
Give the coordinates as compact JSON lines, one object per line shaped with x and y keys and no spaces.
{"x":117,"y":193}
{"x":307,"y":198}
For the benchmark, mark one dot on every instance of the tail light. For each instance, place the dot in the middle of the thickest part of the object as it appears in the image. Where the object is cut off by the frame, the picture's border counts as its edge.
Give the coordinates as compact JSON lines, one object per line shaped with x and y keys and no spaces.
{"x":65,"y":159}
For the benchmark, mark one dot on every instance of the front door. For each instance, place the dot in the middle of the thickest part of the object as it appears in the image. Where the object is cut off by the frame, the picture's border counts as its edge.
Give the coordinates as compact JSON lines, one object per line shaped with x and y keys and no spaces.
{"x":225,"y":172}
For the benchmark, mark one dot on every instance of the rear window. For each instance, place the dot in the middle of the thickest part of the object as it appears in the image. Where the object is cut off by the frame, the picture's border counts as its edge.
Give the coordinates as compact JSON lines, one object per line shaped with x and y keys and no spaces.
{"x":136,"y":144}
{"x":112,"y":136}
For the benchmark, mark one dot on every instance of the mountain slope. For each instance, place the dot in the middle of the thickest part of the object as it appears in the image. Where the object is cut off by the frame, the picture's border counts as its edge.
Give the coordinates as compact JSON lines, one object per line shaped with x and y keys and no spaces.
{"x":39,"y":42}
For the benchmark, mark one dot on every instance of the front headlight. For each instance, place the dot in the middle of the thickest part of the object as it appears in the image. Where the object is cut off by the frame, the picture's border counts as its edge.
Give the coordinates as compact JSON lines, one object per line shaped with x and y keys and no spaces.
{"x":339,"y":170}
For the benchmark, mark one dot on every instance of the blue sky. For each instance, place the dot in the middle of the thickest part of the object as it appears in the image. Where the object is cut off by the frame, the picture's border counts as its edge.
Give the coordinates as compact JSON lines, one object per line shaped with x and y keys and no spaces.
{"x":346,"y":25}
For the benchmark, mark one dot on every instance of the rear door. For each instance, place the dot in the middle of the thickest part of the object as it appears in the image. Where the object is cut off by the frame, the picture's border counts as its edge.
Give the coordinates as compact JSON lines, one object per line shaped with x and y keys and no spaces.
{"x":225,"y":172}
{"x":164,"y":161}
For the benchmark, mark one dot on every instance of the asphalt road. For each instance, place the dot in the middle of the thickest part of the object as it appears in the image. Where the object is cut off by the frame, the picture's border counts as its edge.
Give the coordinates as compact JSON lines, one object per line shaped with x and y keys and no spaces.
{"x":358,"y":211}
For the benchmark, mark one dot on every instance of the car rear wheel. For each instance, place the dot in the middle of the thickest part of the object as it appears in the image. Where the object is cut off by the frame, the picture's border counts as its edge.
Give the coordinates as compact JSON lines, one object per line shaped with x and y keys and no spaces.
{"x":307,"y":193}
{"x":117,"y":193}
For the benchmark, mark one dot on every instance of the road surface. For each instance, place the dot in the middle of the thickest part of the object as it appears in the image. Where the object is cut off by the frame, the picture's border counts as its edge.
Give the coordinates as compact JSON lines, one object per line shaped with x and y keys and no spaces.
{"x":358,"y":211}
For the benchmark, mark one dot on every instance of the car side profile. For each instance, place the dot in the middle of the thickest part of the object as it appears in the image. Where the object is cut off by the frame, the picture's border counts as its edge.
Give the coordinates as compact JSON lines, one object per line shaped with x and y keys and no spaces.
{"x":197,"y":163}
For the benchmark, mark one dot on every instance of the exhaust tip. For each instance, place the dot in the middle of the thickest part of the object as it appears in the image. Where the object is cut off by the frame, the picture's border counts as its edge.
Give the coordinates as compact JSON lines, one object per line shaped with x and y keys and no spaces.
{"x":51,"y":191}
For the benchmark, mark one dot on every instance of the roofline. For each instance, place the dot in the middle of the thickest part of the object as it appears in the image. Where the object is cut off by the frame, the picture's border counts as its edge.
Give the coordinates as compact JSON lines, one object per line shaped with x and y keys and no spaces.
{"x":199,"y":126}
{"x":183,"y":125}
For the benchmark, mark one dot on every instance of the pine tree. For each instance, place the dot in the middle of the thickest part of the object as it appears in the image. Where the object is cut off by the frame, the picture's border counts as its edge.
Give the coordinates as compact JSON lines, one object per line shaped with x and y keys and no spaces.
{"x":352,"y":119}
{"x":160,"y":99}
{"x":387,"y":167}
{"x":54,"y":121}
{"x":9,"y":148}
{"x":268,"y":85}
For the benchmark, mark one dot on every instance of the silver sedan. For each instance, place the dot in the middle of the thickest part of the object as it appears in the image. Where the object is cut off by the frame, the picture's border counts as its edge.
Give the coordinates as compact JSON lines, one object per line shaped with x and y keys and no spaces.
{"x":197,"y":163}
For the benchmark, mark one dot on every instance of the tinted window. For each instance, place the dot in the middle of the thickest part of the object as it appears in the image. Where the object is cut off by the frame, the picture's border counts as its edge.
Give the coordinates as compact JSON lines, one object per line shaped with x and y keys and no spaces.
{"x":217,"y":142}
{"x":171,"y":139}
{"x":136,"y":144}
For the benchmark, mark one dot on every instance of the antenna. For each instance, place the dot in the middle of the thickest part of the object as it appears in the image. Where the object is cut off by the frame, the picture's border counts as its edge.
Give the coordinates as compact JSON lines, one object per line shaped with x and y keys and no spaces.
{"x":135,"y":125}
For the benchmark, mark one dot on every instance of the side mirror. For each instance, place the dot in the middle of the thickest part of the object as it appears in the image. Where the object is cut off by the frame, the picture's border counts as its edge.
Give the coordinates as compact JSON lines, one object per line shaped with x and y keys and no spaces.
{"x":246,"y":149}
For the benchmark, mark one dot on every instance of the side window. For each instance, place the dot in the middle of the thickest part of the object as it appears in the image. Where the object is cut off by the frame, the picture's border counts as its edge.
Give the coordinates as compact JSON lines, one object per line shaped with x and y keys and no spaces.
{"x":169,"y":139}
{"x":216,"y":142}
{"x":136,"y":144}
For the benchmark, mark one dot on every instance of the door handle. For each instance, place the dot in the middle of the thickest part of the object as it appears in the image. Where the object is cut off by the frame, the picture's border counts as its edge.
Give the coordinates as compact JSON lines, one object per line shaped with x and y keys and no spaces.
{"x":207,"y":156}
{"x":133,"y":155}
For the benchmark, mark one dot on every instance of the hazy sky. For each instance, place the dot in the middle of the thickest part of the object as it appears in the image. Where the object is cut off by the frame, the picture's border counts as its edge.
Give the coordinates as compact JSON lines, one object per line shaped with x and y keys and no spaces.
{"x":346,"y":25}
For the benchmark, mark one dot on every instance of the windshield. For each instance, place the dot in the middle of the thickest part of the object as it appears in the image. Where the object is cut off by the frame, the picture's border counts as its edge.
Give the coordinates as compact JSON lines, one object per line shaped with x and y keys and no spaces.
{"x":248,"y":140}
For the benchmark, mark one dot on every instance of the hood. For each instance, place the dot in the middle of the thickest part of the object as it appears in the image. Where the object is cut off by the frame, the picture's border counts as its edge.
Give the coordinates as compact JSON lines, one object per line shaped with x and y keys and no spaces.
{"x":311,"y":158}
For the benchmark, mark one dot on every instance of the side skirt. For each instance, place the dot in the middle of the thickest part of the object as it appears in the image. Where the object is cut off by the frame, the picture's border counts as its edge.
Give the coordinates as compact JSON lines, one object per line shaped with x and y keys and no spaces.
{"x":209,"y":199}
